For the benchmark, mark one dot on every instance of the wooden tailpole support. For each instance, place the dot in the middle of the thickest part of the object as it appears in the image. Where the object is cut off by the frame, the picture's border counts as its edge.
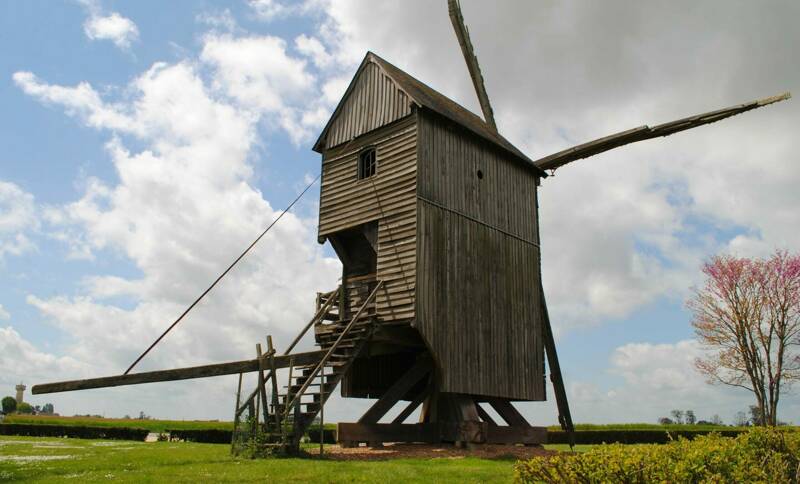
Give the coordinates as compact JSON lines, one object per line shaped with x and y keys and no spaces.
{"x":564,"y":415}
{"x":219,"y":369}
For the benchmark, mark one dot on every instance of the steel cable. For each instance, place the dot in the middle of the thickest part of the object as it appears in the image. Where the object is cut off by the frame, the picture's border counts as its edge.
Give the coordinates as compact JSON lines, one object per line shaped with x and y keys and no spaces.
{"x":221,"y":276}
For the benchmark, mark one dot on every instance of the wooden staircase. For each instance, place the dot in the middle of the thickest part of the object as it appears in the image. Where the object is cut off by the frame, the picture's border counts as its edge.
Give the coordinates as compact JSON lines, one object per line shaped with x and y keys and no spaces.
{"x":293,"y":407}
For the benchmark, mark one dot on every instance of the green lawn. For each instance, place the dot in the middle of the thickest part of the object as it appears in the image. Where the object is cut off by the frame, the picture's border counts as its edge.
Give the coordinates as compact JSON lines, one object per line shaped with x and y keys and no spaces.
{"x":76,"y":460}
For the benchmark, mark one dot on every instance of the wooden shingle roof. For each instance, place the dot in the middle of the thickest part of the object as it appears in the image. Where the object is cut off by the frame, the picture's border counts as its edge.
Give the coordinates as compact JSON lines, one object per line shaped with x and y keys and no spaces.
{"x":426,"y":97}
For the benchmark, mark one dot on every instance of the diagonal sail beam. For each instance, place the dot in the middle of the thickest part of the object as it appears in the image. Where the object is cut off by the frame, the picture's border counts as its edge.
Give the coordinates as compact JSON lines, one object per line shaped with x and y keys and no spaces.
{"x":454,"y":8}
{"x":642,"y":133}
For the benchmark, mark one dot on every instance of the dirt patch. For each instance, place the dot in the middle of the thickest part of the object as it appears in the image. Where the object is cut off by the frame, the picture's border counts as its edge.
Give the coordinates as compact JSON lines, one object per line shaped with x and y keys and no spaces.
{"x":432,"y":451}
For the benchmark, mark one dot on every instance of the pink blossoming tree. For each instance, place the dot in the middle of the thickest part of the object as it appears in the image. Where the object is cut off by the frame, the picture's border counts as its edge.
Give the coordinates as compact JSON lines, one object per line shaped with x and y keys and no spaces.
{"x":748,"y":317}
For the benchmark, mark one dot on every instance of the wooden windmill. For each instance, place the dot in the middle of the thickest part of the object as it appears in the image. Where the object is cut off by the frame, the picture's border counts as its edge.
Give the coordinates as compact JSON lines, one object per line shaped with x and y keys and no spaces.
{"x":434,"y":217}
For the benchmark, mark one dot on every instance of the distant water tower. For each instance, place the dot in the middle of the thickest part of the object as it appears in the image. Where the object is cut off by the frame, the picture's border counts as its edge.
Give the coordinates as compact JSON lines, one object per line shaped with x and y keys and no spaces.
{"x":20,"y":390}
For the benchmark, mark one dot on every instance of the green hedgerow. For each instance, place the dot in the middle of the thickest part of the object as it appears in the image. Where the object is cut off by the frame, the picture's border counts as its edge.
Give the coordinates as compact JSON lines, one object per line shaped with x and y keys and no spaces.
{"x":761,"y":455}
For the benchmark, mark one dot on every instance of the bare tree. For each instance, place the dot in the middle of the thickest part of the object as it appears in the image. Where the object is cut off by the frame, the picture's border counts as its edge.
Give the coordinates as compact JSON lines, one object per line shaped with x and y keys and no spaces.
{"x":748,"y":316}
{"x":677,"y":415}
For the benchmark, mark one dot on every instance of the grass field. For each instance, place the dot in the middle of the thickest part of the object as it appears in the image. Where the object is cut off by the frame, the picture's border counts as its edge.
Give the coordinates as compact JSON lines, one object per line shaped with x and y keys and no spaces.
{"x":76,"y":460}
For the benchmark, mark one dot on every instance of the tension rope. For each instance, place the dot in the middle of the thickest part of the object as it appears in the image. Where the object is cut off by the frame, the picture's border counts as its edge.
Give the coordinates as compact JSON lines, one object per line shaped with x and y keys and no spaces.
{"x":221,"y":276}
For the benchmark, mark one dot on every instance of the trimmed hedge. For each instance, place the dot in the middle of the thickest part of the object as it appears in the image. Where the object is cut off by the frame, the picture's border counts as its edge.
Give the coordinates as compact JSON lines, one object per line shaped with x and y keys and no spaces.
{"x":206,"y":436}
{"x":588,"y":437}
{"x":329,"y":435}
{"x":217,"y":436}
{"x":759,"y":455}
{"x":74,"y":431}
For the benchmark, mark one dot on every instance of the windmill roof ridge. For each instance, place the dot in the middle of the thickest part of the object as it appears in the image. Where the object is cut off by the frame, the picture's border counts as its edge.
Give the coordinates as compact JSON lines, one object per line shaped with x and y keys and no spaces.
{"x":437,"y":102}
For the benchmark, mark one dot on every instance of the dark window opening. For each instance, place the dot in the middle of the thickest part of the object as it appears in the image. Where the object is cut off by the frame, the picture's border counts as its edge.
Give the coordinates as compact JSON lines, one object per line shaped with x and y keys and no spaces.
{"x":366,"y":163}
{"x":480,"y":175}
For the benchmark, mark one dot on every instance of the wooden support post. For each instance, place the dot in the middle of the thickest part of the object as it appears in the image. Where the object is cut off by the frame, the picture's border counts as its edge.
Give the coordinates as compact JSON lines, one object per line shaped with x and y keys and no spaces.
{"x":506,"y":410}
{"x":271,"y":353}
{"x":397,"y":391}
{"x":236,"y":413}
{"x":402,"y":416}
{"x":321,"y":410}
{"x":564,"y":415}
{"x":262,"y":391}
{"x":289,"y":385}
{"x":253,"y":415}
{"x":484,"y":415}
{"x":343,"y":299}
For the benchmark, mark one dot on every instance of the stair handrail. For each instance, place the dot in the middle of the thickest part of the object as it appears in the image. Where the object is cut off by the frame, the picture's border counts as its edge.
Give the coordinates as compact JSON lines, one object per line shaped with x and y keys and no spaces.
{"x":324,"y":360}
{"x":316,"y":317}
{"x":319,"y":314}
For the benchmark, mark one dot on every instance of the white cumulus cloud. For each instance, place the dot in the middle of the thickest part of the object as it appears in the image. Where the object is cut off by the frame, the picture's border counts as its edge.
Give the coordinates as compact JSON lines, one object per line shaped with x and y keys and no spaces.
{"x":18,"y":217}
{"x":116,"y":28}
{"x":628,"y":227}
{"x":268,"y":9}
{"x":182,"y":207}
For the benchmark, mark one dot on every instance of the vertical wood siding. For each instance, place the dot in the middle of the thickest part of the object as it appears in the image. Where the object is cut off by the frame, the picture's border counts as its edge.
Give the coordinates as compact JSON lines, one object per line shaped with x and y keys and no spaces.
{"x":374,"y":101}
{"x":478,"y":285}
{"x":389,"y":196}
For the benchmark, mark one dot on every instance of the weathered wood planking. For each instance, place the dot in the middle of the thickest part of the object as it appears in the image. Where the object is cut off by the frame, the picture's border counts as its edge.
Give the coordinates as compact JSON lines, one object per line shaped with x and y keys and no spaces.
{"x":389,"y":197}
{"x":457,"y":229}
{"x":477,"y":264}
{"x":374,"y":101}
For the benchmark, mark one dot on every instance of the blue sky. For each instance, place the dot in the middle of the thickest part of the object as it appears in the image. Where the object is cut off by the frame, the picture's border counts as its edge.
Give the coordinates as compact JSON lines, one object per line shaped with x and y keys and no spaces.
{"x":146,"y":143}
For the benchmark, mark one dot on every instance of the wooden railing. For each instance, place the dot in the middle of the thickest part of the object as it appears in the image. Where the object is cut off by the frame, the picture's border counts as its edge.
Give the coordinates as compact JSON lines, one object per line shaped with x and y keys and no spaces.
{"x":356,"y":290}
{"x":297,"y":397}
{"x":332,"y":297}
{"x":317,"y":317}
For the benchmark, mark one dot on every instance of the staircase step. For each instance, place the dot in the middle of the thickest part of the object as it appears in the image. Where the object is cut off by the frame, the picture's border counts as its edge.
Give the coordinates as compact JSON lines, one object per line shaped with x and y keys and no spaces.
{"x":339,"y":326}
{"x":282,"y":396}
{"x":333,"y":336}
{"x":350,"y":338}
{"x":335,"y":333}
{"x":300,"y":379}
{"x":328,"y":383}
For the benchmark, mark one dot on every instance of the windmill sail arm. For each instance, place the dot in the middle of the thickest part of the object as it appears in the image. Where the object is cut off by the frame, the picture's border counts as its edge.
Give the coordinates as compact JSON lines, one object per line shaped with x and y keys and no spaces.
{"x":642,"y":133}
{"x":462,"y":33}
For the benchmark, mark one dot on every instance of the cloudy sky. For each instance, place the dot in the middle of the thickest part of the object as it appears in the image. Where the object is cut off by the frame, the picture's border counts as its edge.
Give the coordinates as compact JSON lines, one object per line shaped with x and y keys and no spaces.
{"x":145,"y":144}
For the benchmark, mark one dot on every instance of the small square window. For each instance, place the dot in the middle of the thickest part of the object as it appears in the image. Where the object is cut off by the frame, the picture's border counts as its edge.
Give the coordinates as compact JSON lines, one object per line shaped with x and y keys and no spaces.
{"x":366,"y":163}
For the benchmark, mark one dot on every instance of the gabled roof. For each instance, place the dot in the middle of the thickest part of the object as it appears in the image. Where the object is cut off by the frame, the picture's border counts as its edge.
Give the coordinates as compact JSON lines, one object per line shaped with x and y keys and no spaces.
{"x":427,"y":97}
